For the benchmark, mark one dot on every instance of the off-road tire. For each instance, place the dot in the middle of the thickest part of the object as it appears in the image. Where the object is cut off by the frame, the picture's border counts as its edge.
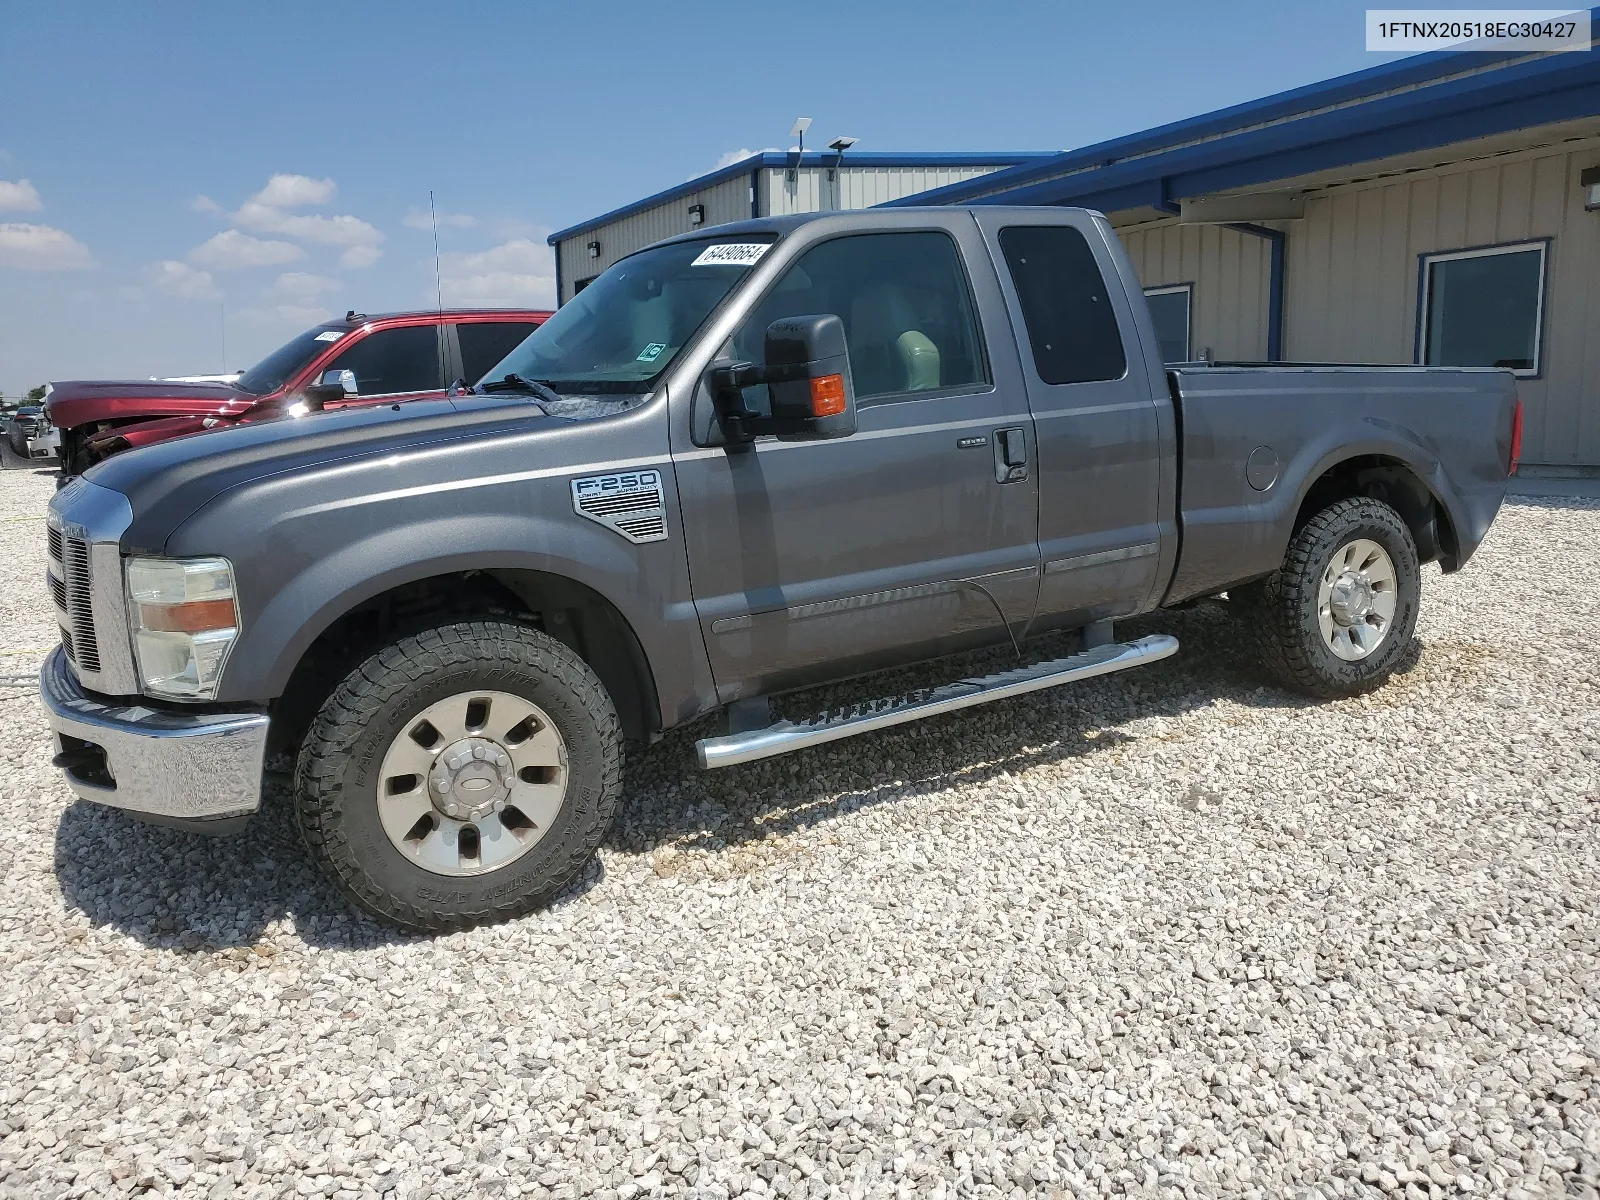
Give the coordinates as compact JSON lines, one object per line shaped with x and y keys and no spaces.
{"x":336,"y":777}
{"x":1283,"y":606}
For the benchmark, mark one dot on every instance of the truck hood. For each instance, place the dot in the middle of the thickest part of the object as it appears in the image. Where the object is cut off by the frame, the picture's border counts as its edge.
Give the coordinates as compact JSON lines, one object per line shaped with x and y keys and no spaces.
{"x":82,"y":401}
{"x":167,"y":483}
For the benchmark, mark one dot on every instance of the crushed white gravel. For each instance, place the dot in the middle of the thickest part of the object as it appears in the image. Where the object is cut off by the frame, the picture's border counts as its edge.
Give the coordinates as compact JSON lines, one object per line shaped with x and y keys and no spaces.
{"x":1165,"y":933}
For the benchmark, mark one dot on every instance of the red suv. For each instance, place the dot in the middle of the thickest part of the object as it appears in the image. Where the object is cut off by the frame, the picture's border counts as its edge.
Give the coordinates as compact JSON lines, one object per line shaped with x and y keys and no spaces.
{"x":359,"y":360}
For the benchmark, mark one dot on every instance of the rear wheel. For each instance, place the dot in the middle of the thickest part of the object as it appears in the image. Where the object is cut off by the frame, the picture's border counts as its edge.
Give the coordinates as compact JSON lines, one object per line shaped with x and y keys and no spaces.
{"x":461,"y":775}
{"x":1338,"y":616}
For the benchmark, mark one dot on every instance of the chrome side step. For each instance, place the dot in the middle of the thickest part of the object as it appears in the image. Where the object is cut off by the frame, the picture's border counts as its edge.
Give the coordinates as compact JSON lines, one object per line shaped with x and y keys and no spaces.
{"x":784,"y":736}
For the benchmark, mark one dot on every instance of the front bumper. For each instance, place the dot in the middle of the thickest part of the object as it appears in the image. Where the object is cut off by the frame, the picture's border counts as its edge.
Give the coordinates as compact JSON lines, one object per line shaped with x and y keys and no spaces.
{"x":175,"y":767}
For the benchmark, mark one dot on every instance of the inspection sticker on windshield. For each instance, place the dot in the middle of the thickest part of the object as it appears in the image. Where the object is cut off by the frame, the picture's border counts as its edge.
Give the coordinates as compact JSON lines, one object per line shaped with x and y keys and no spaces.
{"x":732,"y":254}
{"x":329,"y":335}
{"x":651,"y":352}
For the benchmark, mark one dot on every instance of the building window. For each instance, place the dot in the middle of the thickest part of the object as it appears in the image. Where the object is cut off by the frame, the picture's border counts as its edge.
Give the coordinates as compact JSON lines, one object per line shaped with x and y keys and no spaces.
{"x":1169,"y":310}
{"x":579,"y":284}
{"x":1483,"y":308}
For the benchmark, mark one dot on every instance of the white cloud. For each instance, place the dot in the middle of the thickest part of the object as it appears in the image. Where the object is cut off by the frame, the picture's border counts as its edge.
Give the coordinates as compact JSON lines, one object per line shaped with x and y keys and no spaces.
{"x":733,"y":156}
{"x":421,"y":218}
{"x":180,"y":279}
{"x":360,"y":256}
{"x":517,"y":272}
{"x":230,"y":249}
{"x":268,"y":212}
{"x":42,"y":248}
{"x":295,"y":191}
{"x":205,"y":204}
{"x":19,"y":196}
{"x":300,"y":285}
{"x":298,"y":315}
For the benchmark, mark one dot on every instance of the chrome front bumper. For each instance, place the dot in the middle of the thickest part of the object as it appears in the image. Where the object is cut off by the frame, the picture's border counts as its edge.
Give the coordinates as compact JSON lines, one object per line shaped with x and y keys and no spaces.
{"x":170,"y":766}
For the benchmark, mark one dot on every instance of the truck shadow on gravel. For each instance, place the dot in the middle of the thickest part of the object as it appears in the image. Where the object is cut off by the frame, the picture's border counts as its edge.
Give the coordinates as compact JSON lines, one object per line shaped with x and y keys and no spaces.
{"x":219,"y":897}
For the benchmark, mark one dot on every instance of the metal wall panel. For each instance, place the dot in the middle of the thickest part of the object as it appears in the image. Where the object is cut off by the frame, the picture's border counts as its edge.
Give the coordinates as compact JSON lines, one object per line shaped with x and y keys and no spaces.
{"x":1230,"y":273}
{"x":812,"y":189}
{"x":1354,"y":267}
{"x":724,"y":202}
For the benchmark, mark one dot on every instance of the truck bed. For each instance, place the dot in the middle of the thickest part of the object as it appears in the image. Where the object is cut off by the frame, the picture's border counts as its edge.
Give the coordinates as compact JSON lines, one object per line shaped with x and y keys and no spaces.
{"x":1254,"y":440}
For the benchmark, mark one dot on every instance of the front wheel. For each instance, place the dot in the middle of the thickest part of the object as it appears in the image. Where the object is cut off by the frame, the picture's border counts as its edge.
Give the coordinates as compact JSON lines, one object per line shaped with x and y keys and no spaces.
{"x":1338,"y":616}
{"x":461,"y":775}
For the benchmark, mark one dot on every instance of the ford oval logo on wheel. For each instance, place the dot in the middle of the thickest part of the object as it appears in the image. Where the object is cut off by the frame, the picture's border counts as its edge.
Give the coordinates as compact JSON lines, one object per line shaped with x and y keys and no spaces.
{"x":475,"y":785}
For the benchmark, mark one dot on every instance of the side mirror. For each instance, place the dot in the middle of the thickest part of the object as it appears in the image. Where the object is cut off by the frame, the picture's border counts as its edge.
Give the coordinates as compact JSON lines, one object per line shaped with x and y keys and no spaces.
{"x":344,"y":380}
{"x":807,"y":371}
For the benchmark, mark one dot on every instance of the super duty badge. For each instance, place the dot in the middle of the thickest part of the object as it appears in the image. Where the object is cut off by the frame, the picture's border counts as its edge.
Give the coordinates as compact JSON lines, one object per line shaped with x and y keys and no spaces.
{"x":631,"y":503}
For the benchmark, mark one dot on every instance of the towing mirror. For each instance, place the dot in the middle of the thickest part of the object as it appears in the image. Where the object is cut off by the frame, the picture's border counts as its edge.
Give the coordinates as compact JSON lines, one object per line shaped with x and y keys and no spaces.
{"x":807,"y":373}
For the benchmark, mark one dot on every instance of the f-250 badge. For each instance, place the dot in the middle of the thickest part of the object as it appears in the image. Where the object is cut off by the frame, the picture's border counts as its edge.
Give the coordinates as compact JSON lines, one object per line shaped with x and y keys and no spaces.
{"x":630,"y":503}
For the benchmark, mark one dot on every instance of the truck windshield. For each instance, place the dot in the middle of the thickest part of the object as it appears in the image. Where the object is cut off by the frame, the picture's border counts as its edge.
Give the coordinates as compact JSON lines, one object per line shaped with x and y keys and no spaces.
{"x":284,"y":363}
{"x":623,"y":330}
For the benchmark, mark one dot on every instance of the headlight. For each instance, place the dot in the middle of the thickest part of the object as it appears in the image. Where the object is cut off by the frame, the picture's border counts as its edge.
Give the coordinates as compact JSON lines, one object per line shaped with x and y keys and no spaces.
{"x":184,"y":621}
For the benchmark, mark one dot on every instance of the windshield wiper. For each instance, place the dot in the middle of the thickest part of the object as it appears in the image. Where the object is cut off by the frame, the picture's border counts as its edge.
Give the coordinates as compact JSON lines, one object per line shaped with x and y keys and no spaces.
{"x":516,"y":383}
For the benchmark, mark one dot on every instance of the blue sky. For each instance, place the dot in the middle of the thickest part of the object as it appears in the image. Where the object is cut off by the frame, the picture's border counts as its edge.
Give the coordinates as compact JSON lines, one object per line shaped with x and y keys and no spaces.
{"x":175,"y":175}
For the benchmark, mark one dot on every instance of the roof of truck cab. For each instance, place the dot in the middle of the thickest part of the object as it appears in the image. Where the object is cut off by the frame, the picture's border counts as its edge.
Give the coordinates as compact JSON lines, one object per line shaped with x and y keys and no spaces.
{"x":778,"y":226}
{"x":446,"y":313}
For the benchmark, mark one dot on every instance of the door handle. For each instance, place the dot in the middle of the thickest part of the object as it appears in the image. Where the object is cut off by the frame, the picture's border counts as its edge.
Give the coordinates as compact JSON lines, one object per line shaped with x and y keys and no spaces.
{"x":1010,"y":455}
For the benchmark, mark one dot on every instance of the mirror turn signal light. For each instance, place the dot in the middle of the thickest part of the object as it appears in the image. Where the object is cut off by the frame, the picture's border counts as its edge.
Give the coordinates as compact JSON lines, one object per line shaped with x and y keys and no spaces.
{"x":827,"y":395}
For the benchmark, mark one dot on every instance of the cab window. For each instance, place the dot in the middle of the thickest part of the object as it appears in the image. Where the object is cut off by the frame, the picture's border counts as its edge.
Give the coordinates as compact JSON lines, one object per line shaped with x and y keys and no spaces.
{"x":392,"y":361}
{"x":906,"y":307}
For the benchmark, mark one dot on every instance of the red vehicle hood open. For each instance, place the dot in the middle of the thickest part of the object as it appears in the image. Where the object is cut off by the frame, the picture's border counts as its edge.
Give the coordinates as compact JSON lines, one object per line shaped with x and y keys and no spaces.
{"x":84,"y":401}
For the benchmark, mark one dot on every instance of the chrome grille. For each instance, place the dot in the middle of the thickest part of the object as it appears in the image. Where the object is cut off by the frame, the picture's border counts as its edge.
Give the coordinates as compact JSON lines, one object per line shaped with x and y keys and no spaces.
{"x":58,"y":593}
{"x":79,"y":606}
{"x":55,"y":543}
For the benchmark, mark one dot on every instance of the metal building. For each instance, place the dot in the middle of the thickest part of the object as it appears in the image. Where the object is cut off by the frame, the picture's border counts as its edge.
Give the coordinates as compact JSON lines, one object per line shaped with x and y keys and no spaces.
{"x":1440,"y":209}
{"x":766,"y":184}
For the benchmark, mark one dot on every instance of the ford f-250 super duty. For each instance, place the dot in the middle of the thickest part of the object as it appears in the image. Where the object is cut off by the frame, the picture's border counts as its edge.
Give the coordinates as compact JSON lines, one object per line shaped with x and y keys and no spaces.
{"x":741,"y":462}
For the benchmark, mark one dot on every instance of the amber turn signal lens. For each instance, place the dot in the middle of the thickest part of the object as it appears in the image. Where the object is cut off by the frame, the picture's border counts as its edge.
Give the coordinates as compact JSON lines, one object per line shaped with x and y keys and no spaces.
{"x":195,"y":616}
{"x":827,"y":396}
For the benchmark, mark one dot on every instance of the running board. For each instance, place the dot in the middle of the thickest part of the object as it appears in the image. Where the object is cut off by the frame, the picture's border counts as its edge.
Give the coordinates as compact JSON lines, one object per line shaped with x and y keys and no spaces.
{"x":784,"y":736}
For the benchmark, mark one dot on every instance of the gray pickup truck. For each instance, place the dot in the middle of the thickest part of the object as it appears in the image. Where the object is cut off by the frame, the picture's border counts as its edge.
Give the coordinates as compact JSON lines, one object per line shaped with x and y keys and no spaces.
{"x":740,"y":463}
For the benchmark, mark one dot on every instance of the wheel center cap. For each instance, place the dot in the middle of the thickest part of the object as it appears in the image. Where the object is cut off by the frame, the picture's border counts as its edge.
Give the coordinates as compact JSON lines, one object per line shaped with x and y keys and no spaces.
{"x":471,"y":778}
{"x":1351,"y":598}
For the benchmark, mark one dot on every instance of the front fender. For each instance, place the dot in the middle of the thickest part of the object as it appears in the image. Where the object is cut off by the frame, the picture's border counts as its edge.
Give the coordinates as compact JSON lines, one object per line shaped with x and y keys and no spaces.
{"x":310,"y":564}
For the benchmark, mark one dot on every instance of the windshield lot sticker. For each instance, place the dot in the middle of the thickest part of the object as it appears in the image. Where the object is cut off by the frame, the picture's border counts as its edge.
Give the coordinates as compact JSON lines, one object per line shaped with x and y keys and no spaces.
{"x":732,"y":254}
{"x":330,"y":335}
{"x":651,"y":352}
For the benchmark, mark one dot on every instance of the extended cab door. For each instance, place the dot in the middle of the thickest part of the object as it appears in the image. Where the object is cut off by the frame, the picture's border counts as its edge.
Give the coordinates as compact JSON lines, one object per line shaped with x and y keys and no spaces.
{"x":1103,"y":424}
{"x":818,"y":559}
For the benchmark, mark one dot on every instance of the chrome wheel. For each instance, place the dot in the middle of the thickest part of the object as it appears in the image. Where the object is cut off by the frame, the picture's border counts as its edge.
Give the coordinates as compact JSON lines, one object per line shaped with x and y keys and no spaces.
{"x":1357,"y":598}
{"x":472,"y":783}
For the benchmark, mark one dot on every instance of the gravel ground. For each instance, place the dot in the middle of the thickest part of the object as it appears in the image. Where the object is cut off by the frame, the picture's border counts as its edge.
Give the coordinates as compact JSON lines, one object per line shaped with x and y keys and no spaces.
{"x":1163,"y":933}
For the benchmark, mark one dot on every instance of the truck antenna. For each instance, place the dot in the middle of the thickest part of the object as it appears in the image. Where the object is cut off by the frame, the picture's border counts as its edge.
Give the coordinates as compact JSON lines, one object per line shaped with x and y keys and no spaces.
{"x":438,"y":284}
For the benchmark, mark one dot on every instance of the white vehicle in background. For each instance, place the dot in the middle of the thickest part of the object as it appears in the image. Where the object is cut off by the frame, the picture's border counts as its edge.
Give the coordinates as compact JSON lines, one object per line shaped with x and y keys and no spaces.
{"x":46,"y":443}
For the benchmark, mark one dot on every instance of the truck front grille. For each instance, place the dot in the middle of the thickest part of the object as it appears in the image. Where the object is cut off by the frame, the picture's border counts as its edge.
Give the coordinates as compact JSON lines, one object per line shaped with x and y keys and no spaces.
{"x":79,"y":600}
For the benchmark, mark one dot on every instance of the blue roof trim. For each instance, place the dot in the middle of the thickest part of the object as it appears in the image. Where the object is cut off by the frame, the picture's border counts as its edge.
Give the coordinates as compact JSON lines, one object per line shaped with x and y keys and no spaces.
{"x":1554,"y":87}
{"x":812,"y":158}
{"x":1416,"y":70}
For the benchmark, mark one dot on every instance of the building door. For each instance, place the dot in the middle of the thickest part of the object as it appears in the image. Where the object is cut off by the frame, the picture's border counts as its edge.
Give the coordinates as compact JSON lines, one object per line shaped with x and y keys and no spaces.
{"x":812,"y":560}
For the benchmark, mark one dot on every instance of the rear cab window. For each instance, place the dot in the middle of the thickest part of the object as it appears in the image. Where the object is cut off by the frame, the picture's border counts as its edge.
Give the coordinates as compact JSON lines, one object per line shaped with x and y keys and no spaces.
{"x":485,"y":343}
{"x":1066,"y":306}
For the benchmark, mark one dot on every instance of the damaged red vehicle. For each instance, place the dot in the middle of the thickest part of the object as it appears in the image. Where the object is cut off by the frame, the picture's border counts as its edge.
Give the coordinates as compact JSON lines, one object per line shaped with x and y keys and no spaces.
{"x":360,"y":360}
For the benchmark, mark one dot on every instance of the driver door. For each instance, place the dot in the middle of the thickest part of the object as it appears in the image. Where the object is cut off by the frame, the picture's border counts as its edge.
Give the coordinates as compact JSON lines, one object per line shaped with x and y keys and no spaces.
{"x":389,"y":365}
{"x":819,"y":559}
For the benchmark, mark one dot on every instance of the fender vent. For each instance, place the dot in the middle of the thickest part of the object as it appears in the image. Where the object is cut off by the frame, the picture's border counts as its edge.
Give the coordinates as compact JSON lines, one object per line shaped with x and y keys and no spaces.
{"x":630,"y":503}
